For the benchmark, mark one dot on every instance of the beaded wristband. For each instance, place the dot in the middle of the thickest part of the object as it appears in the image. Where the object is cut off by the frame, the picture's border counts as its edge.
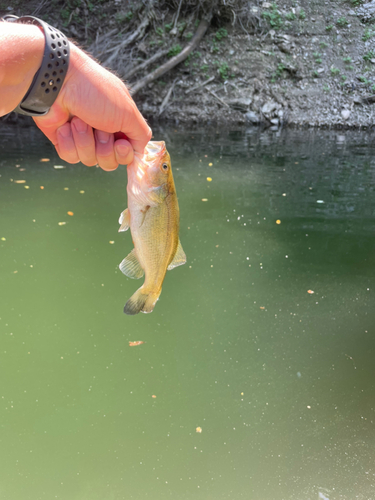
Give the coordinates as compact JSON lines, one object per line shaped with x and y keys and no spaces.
{"x":49,"y":78}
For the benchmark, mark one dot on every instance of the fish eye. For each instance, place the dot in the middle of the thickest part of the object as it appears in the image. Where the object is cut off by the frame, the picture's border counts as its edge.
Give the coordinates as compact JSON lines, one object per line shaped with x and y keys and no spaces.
{"x":165,"y":166}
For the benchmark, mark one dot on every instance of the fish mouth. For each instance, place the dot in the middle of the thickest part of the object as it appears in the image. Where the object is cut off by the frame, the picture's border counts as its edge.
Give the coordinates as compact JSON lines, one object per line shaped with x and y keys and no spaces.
{"x":154,"y":150}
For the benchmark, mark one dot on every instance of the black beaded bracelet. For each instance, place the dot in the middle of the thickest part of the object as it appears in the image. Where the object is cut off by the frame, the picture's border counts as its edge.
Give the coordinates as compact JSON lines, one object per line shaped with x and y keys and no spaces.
{"x":49,"y":78}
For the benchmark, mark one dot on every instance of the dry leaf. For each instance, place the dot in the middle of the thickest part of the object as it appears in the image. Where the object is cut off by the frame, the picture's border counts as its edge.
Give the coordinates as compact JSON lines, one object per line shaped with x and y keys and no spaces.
{"x":20,"y":182}
{"x":44,"y":159}
{"x":70,"y":213}
{"x":198,"y":429}
{"x":310,"y":291}
{"x":136,"y":342}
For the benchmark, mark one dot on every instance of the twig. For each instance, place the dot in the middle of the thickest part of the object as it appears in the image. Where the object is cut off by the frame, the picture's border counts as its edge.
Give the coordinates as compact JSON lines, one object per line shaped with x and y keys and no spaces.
{"x":136,"y":34}
{"x":174,"y":29}
{"x":200,"y":85}
{"x":166,"y":98}
{"x":218,"y":98}
{"x":201,"y":30}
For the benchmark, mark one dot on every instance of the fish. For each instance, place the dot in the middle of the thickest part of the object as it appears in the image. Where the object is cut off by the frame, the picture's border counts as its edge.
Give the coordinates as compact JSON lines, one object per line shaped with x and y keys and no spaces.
{"x":153,"y":217}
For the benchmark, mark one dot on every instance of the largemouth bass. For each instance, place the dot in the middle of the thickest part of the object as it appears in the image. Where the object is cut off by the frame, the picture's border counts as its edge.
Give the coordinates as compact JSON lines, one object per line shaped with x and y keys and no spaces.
{"x":154,"y":219}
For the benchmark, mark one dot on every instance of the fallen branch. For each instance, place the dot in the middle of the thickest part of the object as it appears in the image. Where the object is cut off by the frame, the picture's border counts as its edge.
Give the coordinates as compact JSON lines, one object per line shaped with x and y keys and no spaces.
{"x":200,"y":85}
{"x":218,"y":98}
{"x":201,"y":30}
{"x":146,"y":63}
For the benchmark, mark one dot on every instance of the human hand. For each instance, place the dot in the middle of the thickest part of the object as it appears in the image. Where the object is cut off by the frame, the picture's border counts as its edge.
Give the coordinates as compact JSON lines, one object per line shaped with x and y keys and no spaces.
{"x":94,"y":119}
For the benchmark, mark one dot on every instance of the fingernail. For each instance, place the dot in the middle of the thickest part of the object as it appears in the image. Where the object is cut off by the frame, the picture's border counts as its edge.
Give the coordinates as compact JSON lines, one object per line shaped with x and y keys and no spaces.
{"x":122,"y":150}
{"x":80,"y":126}
{"x":103,"y":137}
{"x":65,"y":130}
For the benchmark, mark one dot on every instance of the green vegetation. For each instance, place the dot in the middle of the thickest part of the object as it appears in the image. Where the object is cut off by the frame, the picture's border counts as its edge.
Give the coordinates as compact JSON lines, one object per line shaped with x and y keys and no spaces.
{"x":335,"y":71}
{"x":323,"y":45}
{"x":326,"y":88}
{"x":189,"y":35}
{"x":329,"y":27}
{"x":369,"y":55}
{"x":278,"y":73}
{"x":347,"y":60}
{"x":318,"y":58}
{"x":302,"y":14}
{"x":342,"y":22}
{"x":173,"y":51}
{"x":159,"y":31}
{"x":290,"y":16}
{"x":356,"y":3}
{"x":273,"y":17}
{"x":364,"y":80}
{"x":372,"y":88}
{"x":315,"y":74}
{"x":223,"y":70}
{"x":220,"y":34}
{"x":168,"y":27}
{"x":369,"y":33}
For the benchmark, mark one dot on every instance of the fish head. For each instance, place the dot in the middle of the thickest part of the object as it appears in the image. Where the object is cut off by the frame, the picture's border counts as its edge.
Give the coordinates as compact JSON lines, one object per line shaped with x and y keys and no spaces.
{"x":152,"y":173}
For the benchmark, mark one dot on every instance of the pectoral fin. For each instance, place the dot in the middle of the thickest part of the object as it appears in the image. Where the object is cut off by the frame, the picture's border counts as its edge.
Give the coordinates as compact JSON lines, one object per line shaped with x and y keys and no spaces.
{"x":124,"y":220}
{"x":131,"y":267}
{"x":179,"y":258}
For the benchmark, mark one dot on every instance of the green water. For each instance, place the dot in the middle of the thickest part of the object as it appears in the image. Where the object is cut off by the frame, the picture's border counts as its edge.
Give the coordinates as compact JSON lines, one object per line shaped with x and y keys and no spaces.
{"x":281,"y":381}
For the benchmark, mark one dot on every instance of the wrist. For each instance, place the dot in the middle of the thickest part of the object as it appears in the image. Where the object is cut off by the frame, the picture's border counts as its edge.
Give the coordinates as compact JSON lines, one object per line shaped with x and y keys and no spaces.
{"x":22,"y":48}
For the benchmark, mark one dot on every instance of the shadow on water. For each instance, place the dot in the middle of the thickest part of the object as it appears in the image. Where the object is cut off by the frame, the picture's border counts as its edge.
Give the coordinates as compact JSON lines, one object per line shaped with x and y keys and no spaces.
{"x":264,"y":340}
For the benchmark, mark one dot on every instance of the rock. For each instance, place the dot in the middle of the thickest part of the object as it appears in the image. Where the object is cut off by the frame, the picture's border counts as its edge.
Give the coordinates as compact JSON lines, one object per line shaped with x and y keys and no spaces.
{"x":269,"y":107}
{"x":320,"y":70}
{"x":252,"y":117}
{"x":266,"y":5}
{"x":240,"y":103}
{"x":357,"y":100}
{"x":345,"y":113}
{"x":275,"y":121}
{"x":367,"y":12}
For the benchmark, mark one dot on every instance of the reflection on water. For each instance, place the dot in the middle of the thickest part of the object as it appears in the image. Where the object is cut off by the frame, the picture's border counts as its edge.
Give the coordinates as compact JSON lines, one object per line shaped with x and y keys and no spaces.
{"x":263,"y":341}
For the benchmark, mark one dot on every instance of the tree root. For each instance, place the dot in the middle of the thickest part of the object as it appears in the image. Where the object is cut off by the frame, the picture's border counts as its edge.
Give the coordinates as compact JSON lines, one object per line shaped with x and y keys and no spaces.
{"x":146,"y":63}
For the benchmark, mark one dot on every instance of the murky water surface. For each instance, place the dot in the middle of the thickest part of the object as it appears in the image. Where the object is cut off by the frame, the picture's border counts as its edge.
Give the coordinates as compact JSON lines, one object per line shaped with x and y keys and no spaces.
{"x":264,"y":341}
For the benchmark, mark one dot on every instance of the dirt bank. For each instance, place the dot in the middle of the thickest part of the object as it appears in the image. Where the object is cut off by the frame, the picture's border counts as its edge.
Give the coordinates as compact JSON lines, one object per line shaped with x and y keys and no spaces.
{"x":301,"y":63}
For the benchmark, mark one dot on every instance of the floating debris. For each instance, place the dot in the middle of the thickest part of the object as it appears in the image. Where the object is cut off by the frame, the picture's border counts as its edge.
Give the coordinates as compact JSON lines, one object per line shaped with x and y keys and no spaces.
{"x":310,"y":291}
{"x":70,"y":213}
{"x":319,"y":201}
{"x":81,"y":192}
{"x":262,"y":307}
{"x":278,"y":221}
{"x":204,"y":199}
{"x":58,"y":167}
{"x":153,"y":396}
{"x":136,"y":342}
{"x":3,"y":239}
{"x":66,"y":189}
{"x":21,"y":181}
{"x":111,"y":242}
{"x":44,"y":159}
{"x":199,"y":430}
{"x":209,"y":179}
{"x":210,"y":164}
{"x":26,"y":187}
{"x":41,"y":187}
{"x":61,"y":223}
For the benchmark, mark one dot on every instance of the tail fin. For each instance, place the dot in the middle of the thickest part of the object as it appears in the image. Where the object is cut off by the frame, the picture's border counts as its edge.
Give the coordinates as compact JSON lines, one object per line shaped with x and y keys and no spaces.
{"x":141,"y":301}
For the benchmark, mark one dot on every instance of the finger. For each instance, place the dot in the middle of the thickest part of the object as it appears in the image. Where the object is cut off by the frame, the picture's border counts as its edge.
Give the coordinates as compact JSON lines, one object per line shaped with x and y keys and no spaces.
{"x":105,"y":153}
{"x":85,"y":142}
{"x":136,"y":129}
{"x":124,"y":152}
{"x":65,"y":146}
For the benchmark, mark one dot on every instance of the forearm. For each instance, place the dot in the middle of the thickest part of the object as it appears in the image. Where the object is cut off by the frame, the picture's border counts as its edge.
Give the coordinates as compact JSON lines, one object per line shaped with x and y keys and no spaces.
{"x":21,"y":53}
